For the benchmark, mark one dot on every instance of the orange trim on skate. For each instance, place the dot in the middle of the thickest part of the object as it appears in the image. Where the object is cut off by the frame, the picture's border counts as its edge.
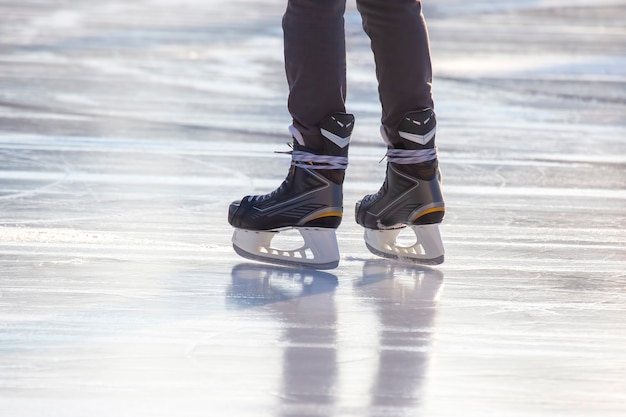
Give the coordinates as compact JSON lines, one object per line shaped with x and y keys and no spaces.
{"x":431,"y":210}
{"x":331,"y":214}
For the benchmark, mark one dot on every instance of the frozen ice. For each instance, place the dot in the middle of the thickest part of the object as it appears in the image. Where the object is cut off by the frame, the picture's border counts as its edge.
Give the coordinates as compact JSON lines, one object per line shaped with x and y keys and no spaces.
{"x":127,"y":128}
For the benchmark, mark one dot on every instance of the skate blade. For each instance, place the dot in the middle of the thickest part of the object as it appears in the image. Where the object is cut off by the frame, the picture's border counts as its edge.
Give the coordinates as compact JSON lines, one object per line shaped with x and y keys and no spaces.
{"x":428,"y":248}
{"x":319,"y":250}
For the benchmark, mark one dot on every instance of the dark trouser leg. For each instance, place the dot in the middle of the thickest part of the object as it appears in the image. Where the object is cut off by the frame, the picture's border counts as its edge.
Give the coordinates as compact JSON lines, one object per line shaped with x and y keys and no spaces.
{"x":315,"y":63}
{"x":399,"y":40}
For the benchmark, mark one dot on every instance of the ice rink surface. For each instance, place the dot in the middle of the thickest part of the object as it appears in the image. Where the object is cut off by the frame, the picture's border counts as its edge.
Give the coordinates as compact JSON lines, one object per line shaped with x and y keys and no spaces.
{"x":126,"y":129}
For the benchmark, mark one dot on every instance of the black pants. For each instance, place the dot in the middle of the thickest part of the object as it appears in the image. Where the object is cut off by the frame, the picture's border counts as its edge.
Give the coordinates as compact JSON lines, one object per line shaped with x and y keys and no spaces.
{"x":315,"y":60}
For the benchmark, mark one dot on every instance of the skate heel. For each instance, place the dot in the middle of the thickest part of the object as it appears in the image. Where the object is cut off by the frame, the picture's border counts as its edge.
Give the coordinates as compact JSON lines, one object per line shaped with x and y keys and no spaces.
{"x":319,"y":250}
{"x":427,"y":249}
{"x":428,"y":214}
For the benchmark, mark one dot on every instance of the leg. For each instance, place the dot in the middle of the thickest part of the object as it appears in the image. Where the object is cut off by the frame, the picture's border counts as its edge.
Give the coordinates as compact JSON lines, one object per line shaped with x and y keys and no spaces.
{"x":411,"y":193}
{"x":315,"y":63}
{"x":310,"y":200}
{"x":399,"y":40}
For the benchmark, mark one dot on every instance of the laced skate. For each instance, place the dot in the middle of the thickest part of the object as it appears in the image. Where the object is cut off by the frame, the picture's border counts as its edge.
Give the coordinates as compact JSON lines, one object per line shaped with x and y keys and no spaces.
{"x":409,"y":197}
{"x":309,"y":201}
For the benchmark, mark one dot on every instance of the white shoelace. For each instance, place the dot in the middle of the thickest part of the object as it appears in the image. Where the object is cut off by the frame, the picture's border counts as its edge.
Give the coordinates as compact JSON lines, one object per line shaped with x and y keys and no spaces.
{"x":411,"y":156}
{"x":309,"y":160}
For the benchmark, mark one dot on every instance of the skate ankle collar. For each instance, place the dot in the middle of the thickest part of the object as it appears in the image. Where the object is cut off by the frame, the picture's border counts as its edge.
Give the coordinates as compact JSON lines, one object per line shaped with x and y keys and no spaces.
{"x":337,"y":128}
{"x":411,"y":156}
{"x":302,"y":159}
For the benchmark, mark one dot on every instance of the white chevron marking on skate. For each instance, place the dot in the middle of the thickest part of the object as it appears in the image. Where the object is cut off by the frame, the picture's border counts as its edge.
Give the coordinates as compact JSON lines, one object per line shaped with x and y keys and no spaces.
{"x":337,"y":140}
{"x":421,"y":139}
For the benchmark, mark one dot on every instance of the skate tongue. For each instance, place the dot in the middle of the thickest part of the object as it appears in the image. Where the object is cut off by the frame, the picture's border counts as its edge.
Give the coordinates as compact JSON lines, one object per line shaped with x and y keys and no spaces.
{"x":337,"y":128}
{"x":418,"y":129}
{"x":333,"y":138}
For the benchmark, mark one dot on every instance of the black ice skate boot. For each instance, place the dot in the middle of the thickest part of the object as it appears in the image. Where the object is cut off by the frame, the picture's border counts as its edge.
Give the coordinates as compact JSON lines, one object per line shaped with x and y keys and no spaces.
{"x":310,"y":200}
{"x":410,"y":196}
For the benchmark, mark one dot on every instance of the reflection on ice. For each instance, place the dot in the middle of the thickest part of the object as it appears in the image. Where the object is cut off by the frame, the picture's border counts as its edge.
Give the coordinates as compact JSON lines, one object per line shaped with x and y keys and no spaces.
{"x":127,"y":128}
{"x":304,"y":304}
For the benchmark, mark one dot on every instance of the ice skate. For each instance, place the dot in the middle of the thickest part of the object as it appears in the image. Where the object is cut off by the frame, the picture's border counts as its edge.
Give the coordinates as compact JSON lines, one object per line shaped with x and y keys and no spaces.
{"x":410,"y":196}
{"x":309,"y":201}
